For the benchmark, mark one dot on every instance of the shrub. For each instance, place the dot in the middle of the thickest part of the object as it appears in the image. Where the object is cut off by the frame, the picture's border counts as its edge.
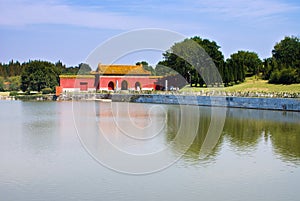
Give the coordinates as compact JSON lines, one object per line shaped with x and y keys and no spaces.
{"x":46,"y":91}
{"x":285,"y":76}
{"x":274,"y":77}
{"x":13,"y":93}
{"x":1,"y":84}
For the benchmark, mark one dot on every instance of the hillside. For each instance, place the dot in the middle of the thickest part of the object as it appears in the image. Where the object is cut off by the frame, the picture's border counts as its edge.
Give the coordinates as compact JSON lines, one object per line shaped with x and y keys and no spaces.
{"x":251,"y":85}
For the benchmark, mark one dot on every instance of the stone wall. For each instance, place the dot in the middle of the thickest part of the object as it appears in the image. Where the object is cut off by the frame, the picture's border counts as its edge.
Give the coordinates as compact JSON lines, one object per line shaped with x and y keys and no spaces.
{"x":284,"y":104}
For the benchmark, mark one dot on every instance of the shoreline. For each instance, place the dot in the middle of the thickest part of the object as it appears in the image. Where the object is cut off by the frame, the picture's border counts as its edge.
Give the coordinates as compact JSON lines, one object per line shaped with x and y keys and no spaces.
{"x":280,"y":104}
{"x":260,"y":103}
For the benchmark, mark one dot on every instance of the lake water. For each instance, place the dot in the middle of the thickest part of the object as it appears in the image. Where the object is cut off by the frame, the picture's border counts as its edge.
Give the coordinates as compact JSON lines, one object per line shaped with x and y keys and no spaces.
{"x":124,"y":151}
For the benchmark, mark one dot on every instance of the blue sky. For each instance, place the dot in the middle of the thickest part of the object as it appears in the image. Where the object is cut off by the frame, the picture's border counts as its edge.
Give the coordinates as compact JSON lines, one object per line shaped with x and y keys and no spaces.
{"x":68,"y":30}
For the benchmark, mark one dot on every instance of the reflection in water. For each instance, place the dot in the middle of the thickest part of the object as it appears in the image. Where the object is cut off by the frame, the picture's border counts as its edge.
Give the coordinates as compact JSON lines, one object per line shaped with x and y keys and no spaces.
{"x":281,"y":128}
{"x":131,"y":137}
{"x":202,"y":125}
{"x":244,"y":129}
{"x":146,"y":128}
{"x":257,"y":156}
{"x":285,"y":138}
{"x":40,"y":124}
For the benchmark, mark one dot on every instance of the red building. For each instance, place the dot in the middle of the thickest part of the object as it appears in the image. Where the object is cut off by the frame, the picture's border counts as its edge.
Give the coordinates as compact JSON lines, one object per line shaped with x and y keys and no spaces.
{"x":110,"y":77}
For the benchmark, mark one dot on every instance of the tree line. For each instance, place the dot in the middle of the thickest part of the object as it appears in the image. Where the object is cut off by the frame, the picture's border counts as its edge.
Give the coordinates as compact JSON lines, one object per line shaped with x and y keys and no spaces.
{"x":283,"y":67}
{"x":196,"y":65}
{"x":36,"y":75}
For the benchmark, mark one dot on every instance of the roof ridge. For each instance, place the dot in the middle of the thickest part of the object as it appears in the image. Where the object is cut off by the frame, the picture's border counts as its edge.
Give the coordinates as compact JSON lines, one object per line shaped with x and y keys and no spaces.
{"x":122,"y":69}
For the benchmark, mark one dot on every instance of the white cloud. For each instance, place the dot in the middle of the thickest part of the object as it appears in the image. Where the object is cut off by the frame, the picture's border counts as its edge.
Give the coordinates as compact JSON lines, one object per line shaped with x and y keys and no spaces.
{"x":246,"y":8}
{"x":136,"y":15}
{"x":22,"y":13}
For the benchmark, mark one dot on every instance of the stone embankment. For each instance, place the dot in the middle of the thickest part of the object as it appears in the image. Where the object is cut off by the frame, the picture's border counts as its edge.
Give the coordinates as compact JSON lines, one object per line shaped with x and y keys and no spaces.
{"x":249,"y":94}
{"x":280,"y":101}
{"x":284,"y":104}
{"x":7,"y":98}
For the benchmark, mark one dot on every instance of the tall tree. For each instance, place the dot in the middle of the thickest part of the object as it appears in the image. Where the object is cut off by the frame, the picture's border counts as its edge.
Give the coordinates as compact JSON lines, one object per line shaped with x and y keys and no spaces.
{"x":287,"y":53}
{"x":84,"y":69}
{"x":146,"y":66}
{"x":183,"y":54}
{"x":242,"y":64}
{"x":284,"y":67}
{"x":1,"y":84}
{"x":38,"y":75}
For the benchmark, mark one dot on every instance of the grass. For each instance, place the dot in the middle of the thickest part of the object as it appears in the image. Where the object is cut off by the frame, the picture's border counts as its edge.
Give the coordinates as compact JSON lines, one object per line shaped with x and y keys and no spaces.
{"x":252,"y":84}
{"x":4,"y":93}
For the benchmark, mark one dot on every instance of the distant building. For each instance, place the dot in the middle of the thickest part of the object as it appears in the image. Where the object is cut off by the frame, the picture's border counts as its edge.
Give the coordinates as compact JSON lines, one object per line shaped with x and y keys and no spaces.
{"x":110,"y":77}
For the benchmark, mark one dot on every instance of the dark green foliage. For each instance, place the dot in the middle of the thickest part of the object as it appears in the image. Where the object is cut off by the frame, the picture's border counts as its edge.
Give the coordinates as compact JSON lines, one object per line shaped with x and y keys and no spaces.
{"x":1,"y":84}
{"x":236,"y":68}
{"x":240,"y":65}
{"x":84,"y":69}
{"x":35,"y":75}
{"x":14,"y":83}
{"x":147,"y":67}
{"x":287,"y":52}
{"x":38,"y":75}
{"x":70,"y":70}
{"x":47,"y":91}
{"x":284,"y":65}
{"x":163,"y":70}
{"x":10,"y":69}
{"x":14,"y":68}
{"x":269,"y":65}
{"x":284,"y":76}
{"x":13,"y":93}
{"x":203,"y":57}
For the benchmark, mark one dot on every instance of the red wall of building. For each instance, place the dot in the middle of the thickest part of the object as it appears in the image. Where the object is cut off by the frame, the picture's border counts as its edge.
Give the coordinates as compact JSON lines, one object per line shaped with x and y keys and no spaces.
{"x":75,"y":82}
{"x":144,"y":81}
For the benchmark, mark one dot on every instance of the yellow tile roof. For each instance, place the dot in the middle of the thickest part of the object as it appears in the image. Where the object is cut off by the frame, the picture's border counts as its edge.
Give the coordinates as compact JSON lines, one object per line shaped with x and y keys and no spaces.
{"x":117,"y":69}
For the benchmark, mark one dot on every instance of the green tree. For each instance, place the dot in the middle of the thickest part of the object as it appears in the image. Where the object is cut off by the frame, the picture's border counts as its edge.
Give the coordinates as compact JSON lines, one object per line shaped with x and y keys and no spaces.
{"x":11,"y":69}
{"x":202,"y":58}
{"x":242,"y":64}
{"x":70,"y":70}
{"x":15,"y":83}
{"x":1,"y":69}
{"x":287,"y":53}
{"x":84,"y":69}
{"x":147,"y":67}
{"x":60,"y":65}
{"x":284,"y":76}
{"x":14,"y":68}
{"x":163,"y":70}
{"x":269,"y":64}
{"x":38,"y":75}
{"x":235,"y":69}
{"x":1,"y":84}
{"x":284,"y":66}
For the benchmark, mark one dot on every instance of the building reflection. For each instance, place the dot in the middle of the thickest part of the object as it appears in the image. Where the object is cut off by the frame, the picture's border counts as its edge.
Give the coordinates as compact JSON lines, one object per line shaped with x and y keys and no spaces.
{"x":40,"y":127}
{"x":185,"y":128}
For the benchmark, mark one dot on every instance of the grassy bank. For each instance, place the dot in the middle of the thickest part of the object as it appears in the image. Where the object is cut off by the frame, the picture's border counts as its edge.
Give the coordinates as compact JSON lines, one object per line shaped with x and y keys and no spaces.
{"x":4,"y":93}
{"x":252,"y":85}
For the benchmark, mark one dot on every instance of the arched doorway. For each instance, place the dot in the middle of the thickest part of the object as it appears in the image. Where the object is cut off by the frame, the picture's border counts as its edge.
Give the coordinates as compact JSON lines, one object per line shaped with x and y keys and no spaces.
{"x":138,"y":86}
{"x":124,"y":85}
{"x":111,"y":85}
